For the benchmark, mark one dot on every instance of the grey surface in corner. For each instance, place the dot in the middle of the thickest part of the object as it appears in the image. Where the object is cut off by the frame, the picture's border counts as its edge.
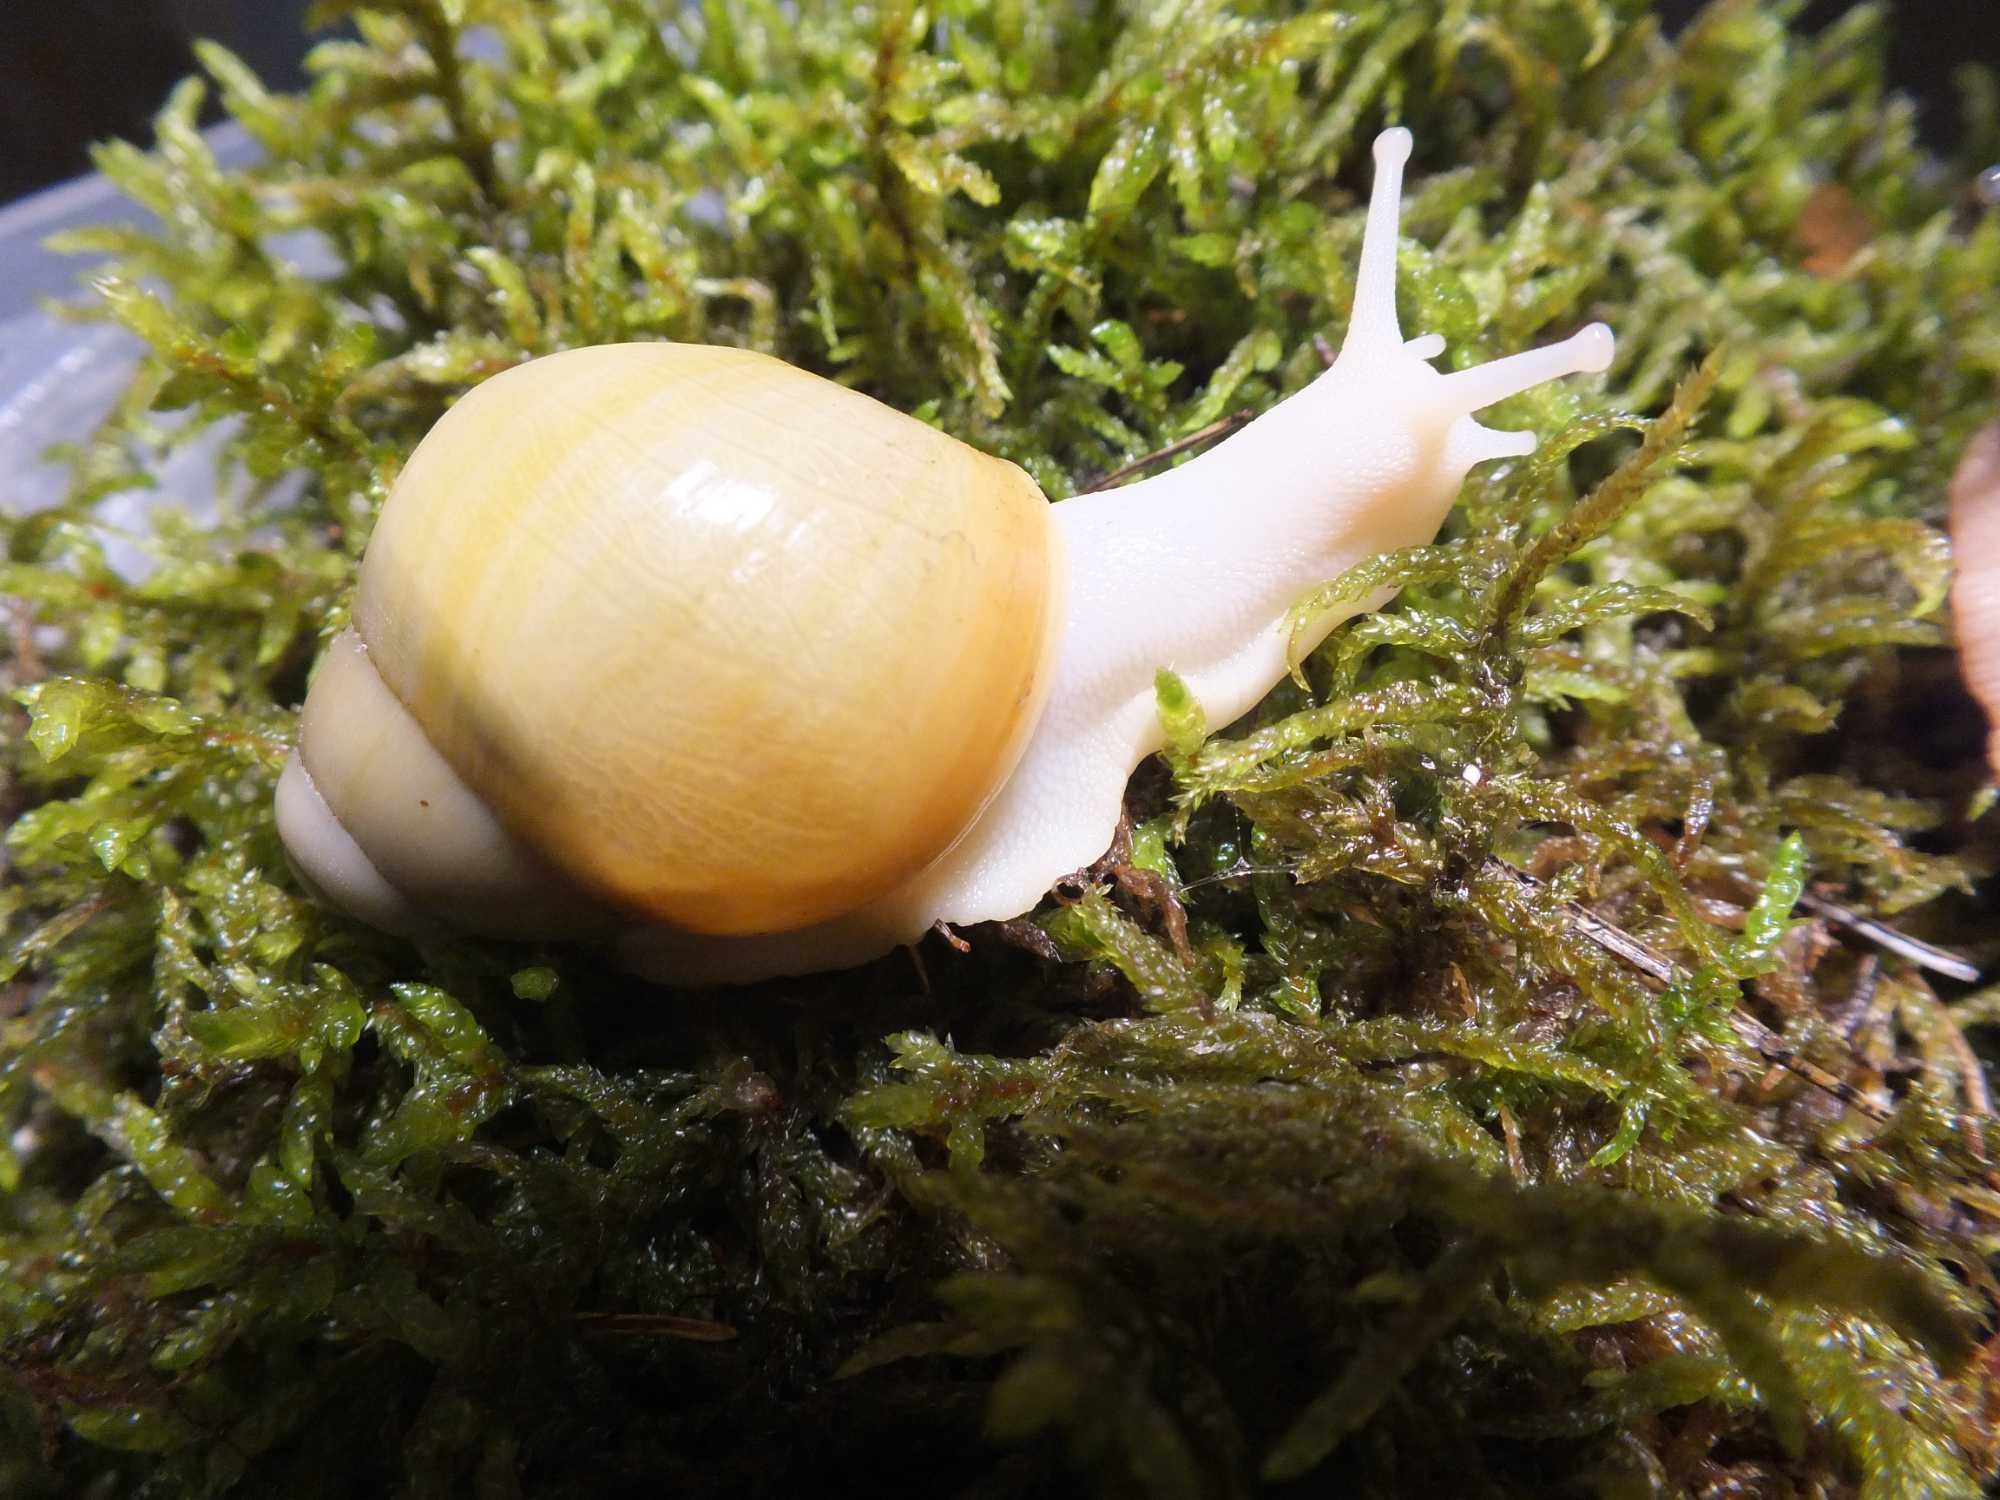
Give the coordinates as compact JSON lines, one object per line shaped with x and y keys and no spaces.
{"x":58,"y":378}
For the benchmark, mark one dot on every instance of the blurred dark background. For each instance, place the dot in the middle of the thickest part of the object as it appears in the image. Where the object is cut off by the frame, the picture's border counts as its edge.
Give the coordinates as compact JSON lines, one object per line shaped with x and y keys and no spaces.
{"x":75,"y":71}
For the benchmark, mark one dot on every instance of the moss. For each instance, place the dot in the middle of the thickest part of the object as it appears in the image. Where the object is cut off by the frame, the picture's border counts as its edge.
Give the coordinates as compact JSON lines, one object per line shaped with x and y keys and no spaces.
{"x":1445,"y":1092}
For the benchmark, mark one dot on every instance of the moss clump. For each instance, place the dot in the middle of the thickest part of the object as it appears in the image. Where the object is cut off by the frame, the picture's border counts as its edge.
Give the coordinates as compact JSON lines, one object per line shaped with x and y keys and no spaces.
{"x":1444,"y":1090}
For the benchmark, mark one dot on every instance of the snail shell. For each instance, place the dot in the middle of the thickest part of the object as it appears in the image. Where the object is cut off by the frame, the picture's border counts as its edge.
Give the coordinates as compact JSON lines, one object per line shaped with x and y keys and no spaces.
{"x":749,"y":674}
{"x":733,"y":647}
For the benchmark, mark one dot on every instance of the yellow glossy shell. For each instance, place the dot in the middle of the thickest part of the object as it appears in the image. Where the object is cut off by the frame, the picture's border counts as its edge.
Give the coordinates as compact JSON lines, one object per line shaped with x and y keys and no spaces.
{"x":737,"y":648}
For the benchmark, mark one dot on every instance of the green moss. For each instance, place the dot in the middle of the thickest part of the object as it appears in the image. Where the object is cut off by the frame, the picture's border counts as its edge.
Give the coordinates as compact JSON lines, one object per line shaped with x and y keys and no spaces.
{"x":1402,"y":1111}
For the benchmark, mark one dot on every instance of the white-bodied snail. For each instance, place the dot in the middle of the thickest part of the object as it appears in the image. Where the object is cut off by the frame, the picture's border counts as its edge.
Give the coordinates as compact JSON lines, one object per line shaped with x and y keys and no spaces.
{"x":684,"y":649}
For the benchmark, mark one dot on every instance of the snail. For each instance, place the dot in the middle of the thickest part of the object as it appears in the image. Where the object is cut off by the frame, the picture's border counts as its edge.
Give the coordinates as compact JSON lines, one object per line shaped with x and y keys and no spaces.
{"x":685,"y":650}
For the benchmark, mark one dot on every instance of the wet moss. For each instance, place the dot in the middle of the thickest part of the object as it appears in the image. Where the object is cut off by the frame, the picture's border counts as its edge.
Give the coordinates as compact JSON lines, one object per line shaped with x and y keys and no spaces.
{"x":1466,"y":1079}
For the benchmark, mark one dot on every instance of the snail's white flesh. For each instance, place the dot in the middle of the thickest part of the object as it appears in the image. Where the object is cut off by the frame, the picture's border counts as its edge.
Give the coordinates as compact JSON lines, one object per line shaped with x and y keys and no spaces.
{"x":1194,"y":570}
{"x":878,"y":530}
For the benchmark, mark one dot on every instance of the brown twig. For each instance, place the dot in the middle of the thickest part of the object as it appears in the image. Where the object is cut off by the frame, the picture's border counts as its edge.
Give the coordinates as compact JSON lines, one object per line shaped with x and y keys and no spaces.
{"x":695,"y":1330}
{"x":1771,"y":1047}
{"x":1664,"y":971}
{"x":1221,"y":427}
{"x":1923,"y":955}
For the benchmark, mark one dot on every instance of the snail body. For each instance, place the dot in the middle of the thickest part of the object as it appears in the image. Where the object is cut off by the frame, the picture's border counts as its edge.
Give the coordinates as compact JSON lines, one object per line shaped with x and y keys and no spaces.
{"x":745,"y":673}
